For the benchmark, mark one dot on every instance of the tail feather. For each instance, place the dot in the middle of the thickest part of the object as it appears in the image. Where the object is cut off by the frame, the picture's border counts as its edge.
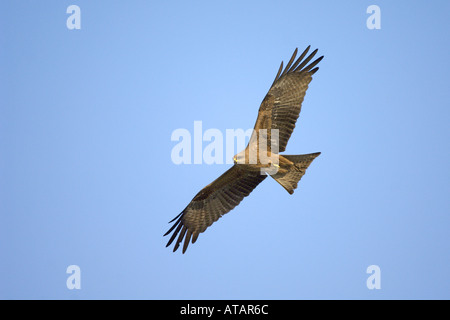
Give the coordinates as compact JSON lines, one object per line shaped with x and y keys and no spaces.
{"x":290,"y":177}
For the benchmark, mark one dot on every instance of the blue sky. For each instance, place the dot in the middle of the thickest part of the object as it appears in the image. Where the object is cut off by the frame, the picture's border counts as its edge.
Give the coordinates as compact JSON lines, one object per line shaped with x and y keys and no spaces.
{"x":86,"y":176}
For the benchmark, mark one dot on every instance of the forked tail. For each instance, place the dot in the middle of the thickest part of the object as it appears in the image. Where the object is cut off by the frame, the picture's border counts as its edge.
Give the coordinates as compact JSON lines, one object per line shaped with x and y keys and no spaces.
{"x":290,"y":177}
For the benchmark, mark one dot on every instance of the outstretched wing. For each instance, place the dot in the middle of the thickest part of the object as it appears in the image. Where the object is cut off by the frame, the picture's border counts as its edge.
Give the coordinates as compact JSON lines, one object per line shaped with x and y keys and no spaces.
{"x":281,"y":106}
{"x":213,"y":201}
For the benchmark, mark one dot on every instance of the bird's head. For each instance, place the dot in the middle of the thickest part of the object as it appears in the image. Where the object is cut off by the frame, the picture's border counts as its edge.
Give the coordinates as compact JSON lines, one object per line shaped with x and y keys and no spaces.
{"x":239,"y":158}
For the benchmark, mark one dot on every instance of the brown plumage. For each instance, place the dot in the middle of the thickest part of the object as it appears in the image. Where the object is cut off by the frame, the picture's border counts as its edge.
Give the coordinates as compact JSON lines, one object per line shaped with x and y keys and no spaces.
{"x":274,"y":125}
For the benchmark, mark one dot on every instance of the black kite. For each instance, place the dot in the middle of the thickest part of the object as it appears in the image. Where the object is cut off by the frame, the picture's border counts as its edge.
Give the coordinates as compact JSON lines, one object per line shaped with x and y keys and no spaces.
{"x":276,"y":120}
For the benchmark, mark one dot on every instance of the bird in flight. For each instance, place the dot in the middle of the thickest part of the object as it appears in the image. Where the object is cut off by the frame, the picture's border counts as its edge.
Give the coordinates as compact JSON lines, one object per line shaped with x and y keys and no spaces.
{"x":274,"y":125}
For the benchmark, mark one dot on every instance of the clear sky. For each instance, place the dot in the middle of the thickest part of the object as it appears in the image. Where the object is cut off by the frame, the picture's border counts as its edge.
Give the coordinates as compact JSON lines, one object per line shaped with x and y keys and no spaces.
{"x":87,"y":179}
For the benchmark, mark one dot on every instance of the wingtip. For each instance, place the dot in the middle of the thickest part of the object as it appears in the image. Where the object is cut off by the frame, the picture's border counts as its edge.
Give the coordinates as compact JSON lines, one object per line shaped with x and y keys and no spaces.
{"x":314,"y":71}
{"x":176,"y":217}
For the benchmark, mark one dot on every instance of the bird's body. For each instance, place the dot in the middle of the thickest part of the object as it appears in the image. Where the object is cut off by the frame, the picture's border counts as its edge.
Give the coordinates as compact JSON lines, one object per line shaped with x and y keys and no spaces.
{"x":276,"y":120}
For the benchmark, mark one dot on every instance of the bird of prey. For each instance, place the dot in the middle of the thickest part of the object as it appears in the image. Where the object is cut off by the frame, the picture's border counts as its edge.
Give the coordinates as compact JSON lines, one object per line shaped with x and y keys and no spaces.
{"x":276,"y":120}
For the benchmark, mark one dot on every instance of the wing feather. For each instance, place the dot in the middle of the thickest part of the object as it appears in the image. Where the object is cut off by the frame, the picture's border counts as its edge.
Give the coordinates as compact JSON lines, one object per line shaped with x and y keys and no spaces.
{"x":288,"y":66}
{"x":278,"y":73}
{"x":308,"y":59}
{"x":294,"y":66}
